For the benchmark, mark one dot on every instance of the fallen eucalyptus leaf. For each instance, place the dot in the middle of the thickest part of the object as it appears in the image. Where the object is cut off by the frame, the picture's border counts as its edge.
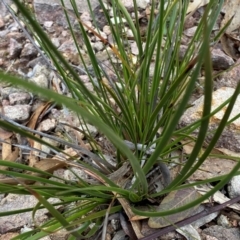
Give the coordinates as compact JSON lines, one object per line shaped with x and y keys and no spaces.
{"x":218,"y":197}
{"x":175,"y":200}
{"x":189,"y":232}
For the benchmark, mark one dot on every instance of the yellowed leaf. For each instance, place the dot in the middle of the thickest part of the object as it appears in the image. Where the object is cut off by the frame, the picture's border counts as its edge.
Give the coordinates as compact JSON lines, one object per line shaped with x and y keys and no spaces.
{"x":50,"y":164}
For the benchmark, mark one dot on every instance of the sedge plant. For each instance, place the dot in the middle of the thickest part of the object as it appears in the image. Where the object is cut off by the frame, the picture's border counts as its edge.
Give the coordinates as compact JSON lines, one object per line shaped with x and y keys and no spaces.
{"x":138,"y":112}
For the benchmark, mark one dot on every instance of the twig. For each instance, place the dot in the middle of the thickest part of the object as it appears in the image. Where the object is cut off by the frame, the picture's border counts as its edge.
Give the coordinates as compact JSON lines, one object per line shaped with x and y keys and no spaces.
{"x":189,"y":220}
{"x":104,"y":228}
{"x":91,"y":155}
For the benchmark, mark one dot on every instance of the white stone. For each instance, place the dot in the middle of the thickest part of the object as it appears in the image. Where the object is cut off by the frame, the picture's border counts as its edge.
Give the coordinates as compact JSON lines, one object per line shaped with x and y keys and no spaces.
{"x":234,"y":187}
{"x":47,"y":125}
{"x":17,"y":113}
{"x":117,"y":20}
{"x":48,"y":24}
{"x":129,"y":4}
{"x":98,"y":46}
{"x":107,"y":30}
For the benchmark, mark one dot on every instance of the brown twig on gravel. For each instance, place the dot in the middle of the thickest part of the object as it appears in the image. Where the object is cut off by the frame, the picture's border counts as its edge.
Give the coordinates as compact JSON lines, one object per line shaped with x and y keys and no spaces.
{"x":189,"y":220}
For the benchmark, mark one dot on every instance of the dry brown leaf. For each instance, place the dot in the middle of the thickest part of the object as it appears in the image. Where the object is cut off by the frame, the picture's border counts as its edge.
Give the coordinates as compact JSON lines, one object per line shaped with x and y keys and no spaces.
{"x":218,"y":197}
{"x":127,"y":208}
{"x":174,"y":200}
{"x":34,"y":118}
{"x":70,"y":152}
{"x":230,"y":41}
{"x":120,"y":180}
{"x":33,"y":159}
{"x":46,"y":165}
{"x":213,"y":167}
{"x":50,"y":165}
{"x":6,"y":149}
{"x":232,"y":9}
{"x":192,"y":6}
{"x":230,"y":46}
{"x":187,"y":146}
{"x":4,"y":134}
{"x":9,"y":155}
{"x":228,"y":152}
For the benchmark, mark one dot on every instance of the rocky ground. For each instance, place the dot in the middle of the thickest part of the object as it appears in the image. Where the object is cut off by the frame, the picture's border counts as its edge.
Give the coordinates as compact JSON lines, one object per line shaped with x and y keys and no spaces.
{"x":20,"y":56}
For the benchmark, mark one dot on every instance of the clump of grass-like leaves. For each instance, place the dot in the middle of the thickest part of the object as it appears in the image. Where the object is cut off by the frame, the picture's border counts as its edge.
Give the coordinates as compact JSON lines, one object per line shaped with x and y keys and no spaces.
{"x":138,"y":112}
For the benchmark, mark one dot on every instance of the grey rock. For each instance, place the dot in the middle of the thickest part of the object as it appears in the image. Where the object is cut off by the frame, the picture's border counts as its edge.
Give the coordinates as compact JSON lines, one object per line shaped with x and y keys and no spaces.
{"x":3,"y":9}
{"x":56,"y":42}
{"x":182,"y":52}
{"x":202,"y":221}
{"x":47,"y":125}
{"x":120,"y":235}
{"x":98,"y":46}
{"x":230,"y":138}
{"x":99,"y":17}
{"x":29,"y":51}
{"x":222,"y":233}
{"x":18,"y":36}
{"x":229,"y":78}
{"x":14,"y":7}
{"x":70,"y":176}
{"x":40,"y":75}
{"x":46,"y":150}
{"x":68,"y":46}
{"x":40,"y":80}
{"x":36,"y":61}
{"x":3,"y":32}
{"x":15,"y":48}
{"x":14,"y":27}
{"x":234,"y":187}
{"x":5,"y":92}
{"x":17,"y":113}
{"x":2,"y":23}
{"x":107,"y":30}
{"x":116,"y":224}
{"x":19,"y":98}
{"x":129,"y":4}
{"x":48,"y":24}
{"x":190,"y":31}
{"x":16,"y":202}
{"x":223,"y":221}
{"x":62,"y":234}
{"x":2,"y":196}
{"x":220,"y":60}
{"x":89,"y":128}
{"x":46,"y":10}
